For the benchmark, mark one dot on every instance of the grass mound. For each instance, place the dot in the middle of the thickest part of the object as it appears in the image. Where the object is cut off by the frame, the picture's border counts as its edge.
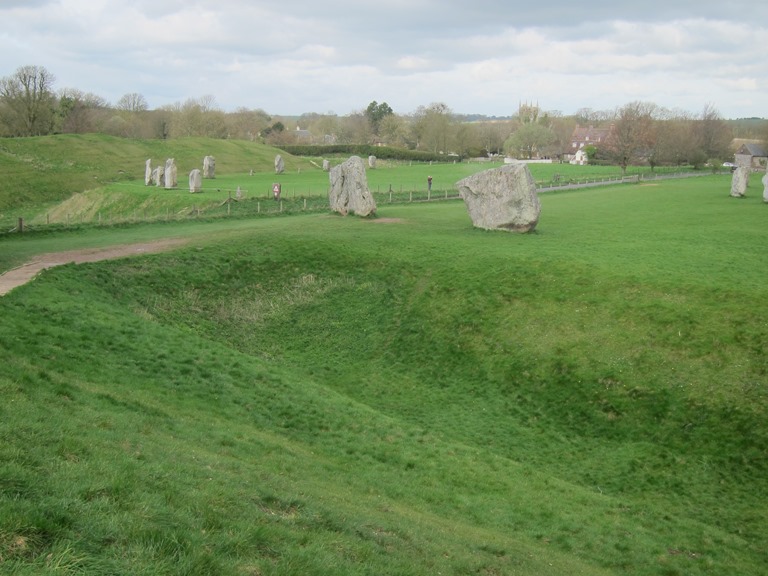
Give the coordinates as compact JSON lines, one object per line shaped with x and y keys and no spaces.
{"x":319,"y":394}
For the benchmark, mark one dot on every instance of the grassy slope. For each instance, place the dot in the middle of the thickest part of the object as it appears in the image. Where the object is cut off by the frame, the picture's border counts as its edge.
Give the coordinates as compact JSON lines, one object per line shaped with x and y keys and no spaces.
{"x":327,"y":395}
{"x":51,"y":169}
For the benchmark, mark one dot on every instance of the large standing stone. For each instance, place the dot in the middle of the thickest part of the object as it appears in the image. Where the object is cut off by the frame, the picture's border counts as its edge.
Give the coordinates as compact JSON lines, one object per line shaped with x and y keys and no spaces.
{"x":765,"y":186}
{"x":209,"y":167}
{"x":502,"y":198}
{"x":279,"y":164}
{"x":371,"y":161}
{"x":349,"y":189}
{"x":195,"y":181}
{"x":326,"y":165}
{"x":158,"y":176}
{"x":148,"y":172}
{"x":739,"y":181}
{"x":171,"y":175}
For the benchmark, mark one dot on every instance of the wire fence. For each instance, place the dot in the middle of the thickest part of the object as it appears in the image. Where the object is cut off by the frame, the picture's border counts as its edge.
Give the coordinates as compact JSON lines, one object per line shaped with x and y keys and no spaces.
{"x":223,"y":203}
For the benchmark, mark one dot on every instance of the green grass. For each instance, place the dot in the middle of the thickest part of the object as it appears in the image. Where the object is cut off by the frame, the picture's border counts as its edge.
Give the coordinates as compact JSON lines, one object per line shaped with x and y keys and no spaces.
{"x":70,"y":180}
{"x":403,"y":395}
{"x":53,"y":168}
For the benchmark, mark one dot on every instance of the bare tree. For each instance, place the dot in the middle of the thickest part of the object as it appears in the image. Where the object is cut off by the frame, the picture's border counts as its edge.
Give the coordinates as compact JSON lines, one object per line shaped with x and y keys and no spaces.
{"x":433,"y":127}
{"x":132,"y":102}
{"x":632,"y":134}
{"x":197,"y":117}
{"x":80,"y":112}
{"x":713,"y":133}
{"x":28,"y":101}
{"x":246,"y":124}
{"x":355,"y":128}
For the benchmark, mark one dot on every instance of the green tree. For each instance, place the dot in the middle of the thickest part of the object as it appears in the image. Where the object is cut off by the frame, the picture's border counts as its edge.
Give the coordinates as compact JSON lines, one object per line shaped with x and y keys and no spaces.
{"x":376,"y":113}
{"x":28,"y":101}
{"x":528,"y":140}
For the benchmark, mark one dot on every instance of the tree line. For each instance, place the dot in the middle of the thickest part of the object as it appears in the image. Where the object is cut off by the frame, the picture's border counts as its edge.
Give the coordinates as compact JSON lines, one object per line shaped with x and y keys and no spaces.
{"x":639,"y":132}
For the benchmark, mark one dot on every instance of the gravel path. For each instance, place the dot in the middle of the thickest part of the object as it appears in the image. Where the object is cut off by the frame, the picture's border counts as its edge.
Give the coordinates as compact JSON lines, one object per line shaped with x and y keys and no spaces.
{"x":26,"y":272}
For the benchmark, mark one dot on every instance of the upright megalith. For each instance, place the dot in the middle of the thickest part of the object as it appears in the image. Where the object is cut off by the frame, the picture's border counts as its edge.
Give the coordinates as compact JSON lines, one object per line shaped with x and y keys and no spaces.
{"x":148,"y":172}
{"x":765,"y":185}
{"x":371,"y":161}
{"x":158,"y":176}
{"x":502,"y":198}
{"x":195,"y":181}
{"x":171,"y":174}
{"x":739,"y":181}
{"x":349,"y":191}
{"x":279,"y":164}
{"x":209,"y":167}
{"x":326,"y":165}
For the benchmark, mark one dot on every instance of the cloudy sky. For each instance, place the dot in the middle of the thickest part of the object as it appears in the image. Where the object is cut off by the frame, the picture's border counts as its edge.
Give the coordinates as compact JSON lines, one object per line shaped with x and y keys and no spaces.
{"x":477,"y":56}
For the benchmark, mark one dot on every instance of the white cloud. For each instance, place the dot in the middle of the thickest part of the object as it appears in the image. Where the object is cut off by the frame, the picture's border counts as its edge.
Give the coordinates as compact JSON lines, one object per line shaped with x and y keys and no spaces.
{"x":480,"y":57}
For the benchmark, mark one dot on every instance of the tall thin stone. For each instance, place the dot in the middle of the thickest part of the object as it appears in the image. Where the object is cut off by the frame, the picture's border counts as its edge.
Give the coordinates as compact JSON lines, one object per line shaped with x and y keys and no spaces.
{"x":171,"y":176}
{"x":195,"y":181}
{"x":209,"y":167}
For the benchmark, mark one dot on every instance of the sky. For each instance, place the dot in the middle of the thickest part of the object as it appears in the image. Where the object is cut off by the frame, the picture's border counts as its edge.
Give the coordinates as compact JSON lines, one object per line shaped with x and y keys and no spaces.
{"x":292,"y":57}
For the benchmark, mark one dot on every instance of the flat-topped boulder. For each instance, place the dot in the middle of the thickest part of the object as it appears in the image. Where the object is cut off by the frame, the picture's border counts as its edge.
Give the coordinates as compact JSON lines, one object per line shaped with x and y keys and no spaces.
{"x":502,"y":198}
{"x":349,"y":191}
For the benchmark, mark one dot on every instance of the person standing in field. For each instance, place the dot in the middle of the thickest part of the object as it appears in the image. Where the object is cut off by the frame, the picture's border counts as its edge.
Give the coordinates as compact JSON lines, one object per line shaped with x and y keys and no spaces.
{"x":429,"y":183}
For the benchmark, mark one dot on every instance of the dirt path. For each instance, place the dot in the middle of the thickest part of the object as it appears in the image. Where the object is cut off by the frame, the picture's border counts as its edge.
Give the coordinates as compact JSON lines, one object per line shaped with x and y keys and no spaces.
{"x":28,"y":271}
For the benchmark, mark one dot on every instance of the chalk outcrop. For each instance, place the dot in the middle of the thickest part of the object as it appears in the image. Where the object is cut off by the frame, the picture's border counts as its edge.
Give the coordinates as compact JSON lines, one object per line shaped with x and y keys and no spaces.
{"x":348,"y":192}
{"x":502,"y":198}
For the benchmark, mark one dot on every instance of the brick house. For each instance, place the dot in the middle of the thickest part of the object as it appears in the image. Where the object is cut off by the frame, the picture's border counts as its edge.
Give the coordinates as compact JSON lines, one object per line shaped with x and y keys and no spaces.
{"x":584,"y":136}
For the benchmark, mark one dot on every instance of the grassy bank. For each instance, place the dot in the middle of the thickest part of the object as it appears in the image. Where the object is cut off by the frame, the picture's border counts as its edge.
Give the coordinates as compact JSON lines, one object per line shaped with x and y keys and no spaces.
{"x":402,"y":395}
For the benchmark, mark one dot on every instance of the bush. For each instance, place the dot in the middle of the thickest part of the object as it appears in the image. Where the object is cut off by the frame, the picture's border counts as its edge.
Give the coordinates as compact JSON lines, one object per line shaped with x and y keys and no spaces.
{"x":363,"y":150}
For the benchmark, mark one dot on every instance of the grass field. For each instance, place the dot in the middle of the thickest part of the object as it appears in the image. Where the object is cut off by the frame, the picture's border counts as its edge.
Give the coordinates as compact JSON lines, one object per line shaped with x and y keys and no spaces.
{"x":402,"y":395}
{"x":71,"y":180}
